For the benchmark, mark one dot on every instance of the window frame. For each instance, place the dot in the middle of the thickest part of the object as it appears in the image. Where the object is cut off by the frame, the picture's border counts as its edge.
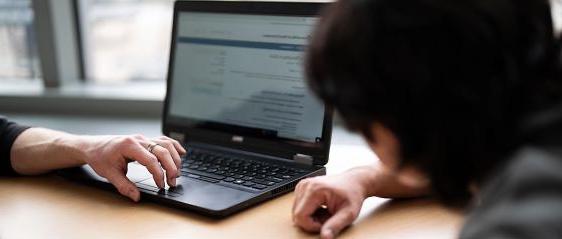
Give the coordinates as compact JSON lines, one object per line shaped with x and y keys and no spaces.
{"x":63,"y":87}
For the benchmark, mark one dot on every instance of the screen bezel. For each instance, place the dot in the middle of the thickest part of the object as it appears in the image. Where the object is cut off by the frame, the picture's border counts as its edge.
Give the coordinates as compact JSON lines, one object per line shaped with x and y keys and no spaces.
{"x":199,"y":131}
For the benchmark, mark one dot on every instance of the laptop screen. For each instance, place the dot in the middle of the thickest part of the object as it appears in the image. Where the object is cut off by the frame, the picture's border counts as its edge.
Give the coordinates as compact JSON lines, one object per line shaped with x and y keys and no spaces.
{"x":243,"y":71}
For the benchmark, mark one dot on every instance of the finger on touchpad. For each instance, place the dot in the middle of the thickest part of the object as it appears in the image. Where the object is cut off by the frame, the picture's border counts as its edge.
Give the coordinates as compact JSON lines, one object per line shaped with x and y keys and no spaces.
{"x":150,"y":182}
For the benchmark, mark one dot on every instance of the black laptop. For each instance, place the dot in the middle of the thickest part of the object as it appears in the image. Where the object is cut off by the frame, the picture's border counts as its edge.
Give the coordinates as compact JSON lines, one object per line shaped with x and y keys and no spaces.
{"x":237,"y":100}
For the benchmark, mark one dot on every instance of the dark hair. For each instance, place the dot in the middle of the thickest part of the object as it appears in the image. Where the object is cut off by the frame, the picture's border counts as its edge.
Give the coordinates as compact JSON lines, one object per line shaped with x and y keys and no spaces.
{"x":452,"y":79}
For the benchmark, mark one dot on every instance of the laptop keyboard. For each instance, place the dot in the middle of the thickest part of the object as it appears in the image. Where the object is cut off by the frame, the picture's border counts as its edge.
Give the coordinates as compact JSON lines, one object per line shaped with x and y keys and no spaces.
{"x":236,"y":171}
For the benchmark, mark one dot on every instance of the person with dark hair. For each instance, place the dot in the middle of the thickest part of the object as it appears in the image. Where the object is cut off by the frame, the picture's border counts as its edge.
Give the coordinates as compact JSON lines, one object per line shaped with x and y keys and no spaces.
{"x":31,"y":151}
{"x":460,"y":99}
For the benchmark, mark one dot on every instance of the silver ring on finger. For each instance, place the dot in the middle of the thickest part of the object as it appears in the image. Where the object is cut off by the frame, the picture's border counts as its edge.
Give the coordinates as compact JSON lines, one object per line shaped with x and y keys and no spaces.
{"x":151,"y":147}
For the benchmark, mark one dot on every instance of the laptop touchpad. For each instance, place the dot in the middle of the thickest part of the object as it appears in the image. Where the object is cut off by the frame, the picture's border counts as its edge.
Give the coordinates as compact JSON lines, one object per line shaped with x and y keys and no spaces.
{"x":204,"y":194}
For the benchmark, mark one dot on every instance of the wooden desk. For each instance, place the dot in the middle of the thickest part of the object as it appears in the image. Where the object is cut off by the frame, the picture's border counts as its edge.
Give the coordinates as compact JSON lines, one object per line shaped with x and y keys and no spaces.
{"x":52,"y":207}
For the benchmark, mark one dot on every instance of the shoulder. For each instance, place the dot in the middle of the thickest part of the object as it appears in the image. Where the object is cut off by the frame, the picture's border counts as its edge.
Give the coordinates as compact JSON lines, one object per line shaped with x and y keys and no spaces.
{"x":524,"y":200}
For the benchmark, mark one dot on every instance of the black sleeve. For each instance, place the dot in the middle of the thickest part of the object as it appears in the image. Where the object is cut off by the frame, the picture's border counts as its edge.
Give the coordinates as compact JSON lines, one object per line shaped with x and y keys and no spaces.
{"x":525,"y":201}
{"x":9,"y":131}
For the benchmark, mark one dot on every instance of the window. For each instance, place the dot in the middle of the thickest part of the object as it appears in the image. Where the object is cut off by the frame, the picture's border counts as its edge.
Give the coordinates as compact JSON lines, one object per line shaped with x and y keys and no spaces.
{"x":18,"y":50}
{"x":125,"y":40}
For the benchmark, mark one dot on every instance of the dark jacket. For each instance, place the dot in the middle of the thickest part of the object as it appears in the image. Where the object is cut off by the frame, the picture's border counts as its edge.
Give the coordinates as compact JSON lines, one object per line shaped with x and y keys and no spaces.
{"x":9,"y":131}
{"x":524,"y":200}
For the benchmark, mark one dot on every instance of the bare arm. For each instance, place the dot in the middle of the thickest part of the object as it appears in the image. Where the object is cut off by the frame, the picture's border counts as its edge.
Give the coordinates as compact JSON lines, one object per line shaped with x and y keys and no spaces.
{"x":380,"y":181}
{"x":343,"y":195}
{"x":39,"y":150}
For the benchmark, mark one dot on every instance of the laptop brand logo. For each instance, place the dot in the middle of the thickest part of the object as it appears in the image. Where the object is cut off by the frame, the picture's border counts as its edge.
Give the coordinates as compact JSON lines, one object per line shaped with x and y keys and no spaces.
{"x":237,"y":139}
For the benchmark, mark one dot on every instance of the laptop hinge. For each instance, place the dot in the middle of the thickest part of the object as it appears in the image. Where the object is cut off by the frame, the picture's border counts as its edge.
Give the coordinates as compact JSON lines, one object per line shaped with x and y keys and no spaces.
{"x":178,"y":136}
{"x":303,"y":159}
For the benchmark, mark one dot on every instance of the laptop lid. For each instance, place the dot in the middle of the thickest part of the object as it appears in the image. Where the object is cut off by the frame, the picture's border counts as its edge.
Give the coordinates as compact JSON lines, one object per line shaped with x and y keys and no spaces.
{"x":236,"y":79}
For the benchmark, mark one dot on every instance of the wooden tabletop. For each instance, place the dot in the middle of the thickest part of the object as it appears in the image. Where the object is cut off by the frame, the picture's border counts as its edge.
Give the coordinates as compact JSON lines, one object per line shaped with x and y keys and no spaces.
{"x":52,"y":207}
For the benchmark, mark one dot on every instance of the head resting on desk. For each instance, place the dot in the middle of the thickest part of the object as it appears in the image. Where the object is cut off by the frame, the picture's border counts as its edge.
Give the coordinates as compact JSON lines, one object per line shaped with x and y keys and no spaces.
{"x":450,"y":80}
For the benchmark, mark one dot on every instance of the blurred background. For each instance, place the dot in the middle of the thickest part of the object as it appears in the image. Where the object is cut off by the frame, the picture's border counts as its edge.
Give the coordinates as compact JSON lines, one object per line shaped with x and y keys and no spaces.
{"x":18,"y":49}
{"x":121,"y":40}
{"x":81,"y":65}
{"x":126,"y":40}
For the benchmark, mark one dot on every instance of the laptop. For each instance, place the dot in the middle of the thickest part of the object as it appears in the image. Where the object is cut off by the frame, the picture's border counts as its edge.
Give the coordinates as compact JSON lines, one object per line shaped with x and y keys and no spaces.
{"x":237,"y":101}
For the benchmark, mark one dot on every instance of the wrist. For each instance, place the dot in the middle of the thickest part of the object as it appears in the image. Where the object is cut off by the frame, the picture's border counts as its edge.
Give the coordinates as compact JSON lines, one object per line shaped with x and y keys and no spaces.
{"x":365,"y":177}
{"x":74,"y":147}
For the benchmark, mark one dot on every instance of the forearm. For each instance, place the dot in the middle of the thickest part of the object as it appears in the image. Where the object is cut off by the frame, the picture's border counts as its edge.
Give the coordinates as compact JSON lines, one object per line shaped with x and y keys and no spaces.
{"x":39,"y":150}
{"x":381,"y":182}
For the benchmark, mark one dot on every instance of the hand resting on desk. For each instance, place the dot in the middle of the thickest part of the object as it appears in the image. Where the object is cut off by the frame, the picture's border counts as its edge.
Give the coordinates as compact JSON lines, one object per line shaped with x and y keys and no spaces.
{"x":328,"y":204}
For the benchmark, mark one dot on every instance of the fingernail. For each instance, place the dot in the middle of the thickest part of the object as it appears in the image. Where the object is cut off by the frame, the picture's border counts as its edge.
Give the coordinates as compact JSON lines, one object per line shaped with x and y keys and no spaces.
{"x":137,"y":197}
{"x":173,"y":182}
{"x":327,"y":234}
{"x":134,"y":195}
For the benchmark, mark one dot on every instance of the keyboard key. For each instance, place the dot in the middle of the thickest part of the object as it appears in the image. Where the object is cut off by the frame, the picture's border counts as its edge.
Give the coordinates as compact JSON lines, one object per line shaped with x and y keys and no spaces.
{"x":248,"y":184}
{"x":229,"y":179}
{"x":239,"y":181}
{"x":275,"y":179}
{"x":258,"y":186}
{"x":190,"y":175}
{"x":264,"y":182}
{"x":189,"y":171}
